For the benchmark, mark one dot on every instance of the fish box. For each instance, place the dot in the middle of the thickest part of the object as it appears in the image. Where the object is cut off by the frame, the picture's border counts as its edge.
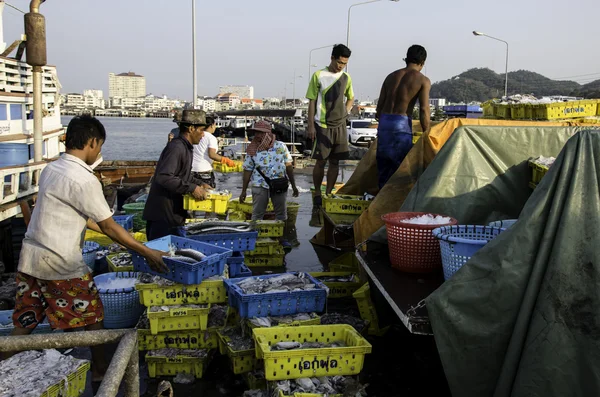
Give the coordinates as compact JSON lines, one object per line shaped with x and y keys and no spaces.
{"x":255,"y":381}
{"x":565,"y":110}
{"x":269,"y":228}
{"x":345,"y":263}
{"x":236,"y":259}
{"x":178,"y":319}
{"x":537,"y":172}
{"x":209,"y":291}
{"x":265,"y":246}
{"x":72,"y":386}
{"x":113,"y":266}
{"x":126,"y":221}
{"x":339,"y":289}
{"x":244,"y":241}
{"x":216,"y":203}
{"x":182,"y":272}
{"x":276,"y":303}
{"x":346,"y":204}
{"x":171,"y":366}
{"x":315,"y":320}
{"x":244,"y":271}
{"x":247,"y":206}
{"x":223,"y":168}
{"x":367,"y":309}
{"x":242,"y":361}
{"x":275,"y":260}
{"x":311,"y":362}
{"x":192,"y":339}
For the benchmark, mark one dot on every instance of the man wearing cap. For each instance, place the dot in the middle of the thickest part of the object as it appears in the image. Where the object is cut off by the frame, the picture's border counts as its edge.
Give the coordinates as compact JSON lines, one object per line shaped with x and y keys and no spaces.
{"x":270,"y":157}
{"x":164,"y":213}
{"x":175,"y":131}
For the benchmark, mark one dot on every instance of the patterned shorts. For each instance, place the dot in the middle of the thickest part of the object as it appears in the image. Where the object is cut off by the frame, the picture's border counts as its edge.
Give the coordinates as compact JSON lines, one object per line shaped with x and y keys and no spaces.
{"x":68,"y":304}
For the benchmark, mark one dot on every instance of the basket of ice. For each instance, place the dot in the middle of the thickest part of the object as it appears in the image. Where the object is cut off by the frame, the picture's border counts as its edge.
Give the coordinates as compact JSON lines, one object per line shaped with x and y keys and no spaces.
{"x":122,"y":308}
{"x":413,"y":248}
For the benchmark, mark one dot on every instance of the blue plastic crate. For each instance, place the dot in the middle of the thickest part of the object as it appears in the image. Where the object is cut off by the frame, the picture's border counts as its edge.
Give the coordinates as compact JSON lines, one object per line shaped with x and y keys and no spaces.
{"x":89,"y":253}
{"x":244,"y":272}
{"x":6,"y":326}
{"x":122,"y":307}
{"x":245,"y":241}
{"x":236,"y":259}
{"x":181,"y":272}
{"x":505,"y":223}
{"x":126,"y":221}
{"x":276,"y":304}
{"x":460,"y":242}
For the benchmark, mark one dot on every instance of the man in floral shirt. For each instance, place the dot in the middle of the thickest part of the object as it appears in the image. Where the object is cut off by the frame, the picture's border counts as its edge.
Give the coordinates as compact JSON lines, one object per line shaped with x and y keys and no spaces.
{"x":274,"y":161}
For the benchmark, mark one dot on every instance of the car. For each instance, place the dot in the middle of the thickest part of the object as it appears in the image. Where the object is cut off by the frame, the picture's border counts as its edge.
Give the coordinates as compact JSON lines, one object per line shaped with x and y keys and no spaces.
{"x":362,"y":131}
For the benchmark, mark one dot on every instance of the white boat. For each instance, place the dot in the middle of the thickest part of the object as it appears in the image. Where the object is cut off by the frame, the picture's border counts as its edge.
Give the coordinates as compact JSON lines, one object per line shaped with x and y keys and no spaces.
{"x":19,"y":174}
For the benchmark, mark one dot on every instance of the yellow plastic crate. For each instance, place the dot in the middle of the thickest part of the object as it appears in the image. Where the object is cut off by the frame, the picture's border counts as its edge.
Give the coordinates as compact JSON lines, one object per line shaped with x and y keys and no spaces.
{"x":269,"y":228}
{"x":303,"y":363}
{"x":275,"y":260}
{"x":99,"y":238}
{"x":282,"y":394}
{"x":72,"y":386}
{"x":300,"y":323}
{"x":178,"y":319}
{"x":216,"y":203}
{"x":242,"y":361}
{"x":565,"y":110}
{"x":220,"y":167}
{"x":194,"y":339}
{"x":171,"y":366}
{"x":345,"y":263}
{"x":522,"y":111}
{"x":114,"y":268}
{"x":336,"y":187}
{"x":345,"y":204}
{"x":502,"y":111}
{"x":140,"y":236}
{"x":339,"y":289}
{"x":247,"y":206}
{"x":210,"y":291}
{"x":416,"y":138}
{"x":276,"y":250}
{"x":367,"y":310}
{"x":237,"y":215}
{"x":538,"y":172}
{"x":265,"y":246}
{"x":488,"y":109}
{"x":253,"y":382}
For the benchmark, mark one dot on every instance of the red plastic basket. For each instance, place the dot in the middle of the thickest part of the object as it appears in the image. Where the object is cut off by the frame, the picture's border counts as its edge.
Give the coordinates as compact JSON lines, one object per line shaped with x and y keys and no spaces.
{"x":413,"y":248}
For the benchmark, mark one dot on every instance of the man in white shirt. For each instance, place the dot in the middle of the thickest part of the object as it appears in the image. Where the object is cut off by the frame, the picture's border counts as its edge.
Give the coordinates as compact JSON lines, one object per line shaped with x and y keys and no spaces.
{"x":53,"y":280}
{"x":205,"y":153}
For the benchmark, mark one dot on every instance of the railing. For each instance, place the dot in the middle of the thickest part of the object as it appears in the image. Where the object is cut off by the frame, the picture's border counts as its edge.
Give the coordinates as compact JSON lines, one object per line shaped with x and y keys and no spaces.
{"x":19,"y":181}
{"x":124,"y":365}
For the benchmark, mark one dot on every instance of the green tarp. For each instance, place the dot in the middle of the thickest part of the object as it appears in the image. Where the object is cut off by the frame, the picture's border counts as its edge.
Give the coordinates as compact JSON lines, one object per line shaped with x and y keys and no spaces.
{"x":522,"y":317}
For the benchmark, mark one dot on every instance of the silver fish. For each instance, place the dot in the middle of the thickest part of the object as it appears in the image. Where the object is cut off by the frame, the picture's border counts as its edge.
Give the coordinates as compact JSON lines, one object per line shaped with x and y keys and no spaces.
{"x":181,"y":259}
{"x":190,"y":253}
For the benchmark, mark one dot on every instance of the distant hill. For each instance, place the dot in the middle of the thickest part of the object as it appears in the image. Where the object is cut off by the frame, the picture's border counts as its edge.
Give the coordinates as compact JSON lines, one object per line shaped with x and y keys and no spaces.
{"x":481,"y":84}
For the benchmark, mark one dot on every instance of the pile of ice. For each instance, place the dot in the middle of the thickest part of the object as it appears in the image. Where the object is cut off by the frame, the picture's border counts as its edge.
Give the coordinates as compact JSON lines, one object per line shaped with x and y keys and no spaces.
{"x":530,"y":99}
{"x":117,"y":283}
{"x":428,"y":219}
{"x":545,"y":161}
{"x":31,"y":373}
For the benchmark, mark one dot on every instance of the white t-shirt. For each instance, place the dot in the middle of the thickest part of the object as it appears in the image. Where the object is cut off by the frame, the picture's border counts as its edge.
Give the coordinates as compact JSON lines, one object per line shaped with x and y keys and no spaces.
{"x":202,"y":162}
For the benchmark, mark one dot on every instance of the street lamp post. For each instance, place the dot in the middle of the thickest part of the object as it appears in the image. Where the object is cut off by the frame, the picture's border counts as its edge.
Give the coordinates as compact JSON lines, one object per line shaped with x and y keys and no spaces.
{"x":349,"y":10}
{"x":476,"y":33}
{"x":195,"y":73}
{"x":310,"y":56}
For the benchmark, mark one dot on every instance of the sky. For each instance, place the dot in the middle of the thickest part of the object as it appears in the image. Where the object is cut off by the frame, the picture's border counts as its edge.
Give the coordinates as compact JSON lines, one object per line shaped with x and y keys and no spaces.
{"x":264,"y":43}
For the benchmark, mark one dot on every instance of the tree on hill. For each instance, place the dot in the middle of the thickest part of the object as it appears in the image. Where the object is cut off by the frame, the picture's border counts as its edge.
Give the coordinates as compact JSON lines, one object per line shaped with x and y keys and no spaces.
{"x":481,"y":84}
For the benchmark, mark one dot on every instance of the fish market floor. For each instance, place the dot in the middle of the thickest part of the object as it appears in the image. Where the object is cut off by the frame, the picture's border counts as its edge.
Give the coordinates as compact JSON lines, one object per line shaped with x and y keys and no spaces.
{"x":401,"y":364}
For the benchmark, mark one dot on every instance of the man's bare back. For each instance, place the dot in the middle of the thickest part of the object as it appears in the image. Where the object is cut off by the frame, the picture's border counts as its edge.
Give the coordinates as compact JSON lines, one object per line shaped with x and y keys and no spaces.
{"x":400,"y":92}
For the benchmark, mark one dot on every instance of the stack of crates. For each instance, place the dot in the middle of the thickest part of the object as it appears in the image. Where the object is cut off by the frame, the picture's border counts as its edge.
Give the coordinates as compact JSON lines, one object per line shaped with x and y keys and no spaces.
{"x":184,"y":326}
{"x":215,"y":203}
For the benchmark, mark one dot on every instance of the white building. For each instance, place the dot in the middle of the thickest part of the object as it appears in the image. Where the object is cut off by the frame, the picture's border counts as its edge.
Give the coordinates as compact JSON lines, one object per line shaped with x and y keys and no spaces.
{"x":242,"y":91}
{"x":93,"y":93}
{"x":209,"y":105}
{"x":74,"y":101}
{"x":126,"y":85}
{"x":233,"y":100}
{"x":437,"y":102}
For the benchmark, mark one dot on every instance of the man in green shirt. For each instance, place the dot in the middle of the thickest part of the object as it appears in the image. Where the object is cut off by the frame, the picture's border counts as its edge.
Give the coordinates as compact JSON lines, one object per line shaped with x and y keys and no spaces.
{"x":327,"y":114}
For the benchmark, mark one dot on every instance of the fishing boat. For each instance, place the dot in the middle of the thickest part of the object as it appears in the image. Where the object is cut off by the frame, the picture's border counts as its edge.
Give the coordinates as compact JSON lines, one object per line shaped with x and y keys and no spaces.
{"x":19,"y":174}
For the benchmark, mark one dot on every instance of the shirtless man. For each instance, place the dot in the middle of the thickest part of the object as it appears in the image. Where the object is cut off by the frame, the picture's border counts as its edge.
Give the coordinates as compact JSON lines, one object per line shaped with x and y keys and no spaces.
{"x":397,"y":100}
